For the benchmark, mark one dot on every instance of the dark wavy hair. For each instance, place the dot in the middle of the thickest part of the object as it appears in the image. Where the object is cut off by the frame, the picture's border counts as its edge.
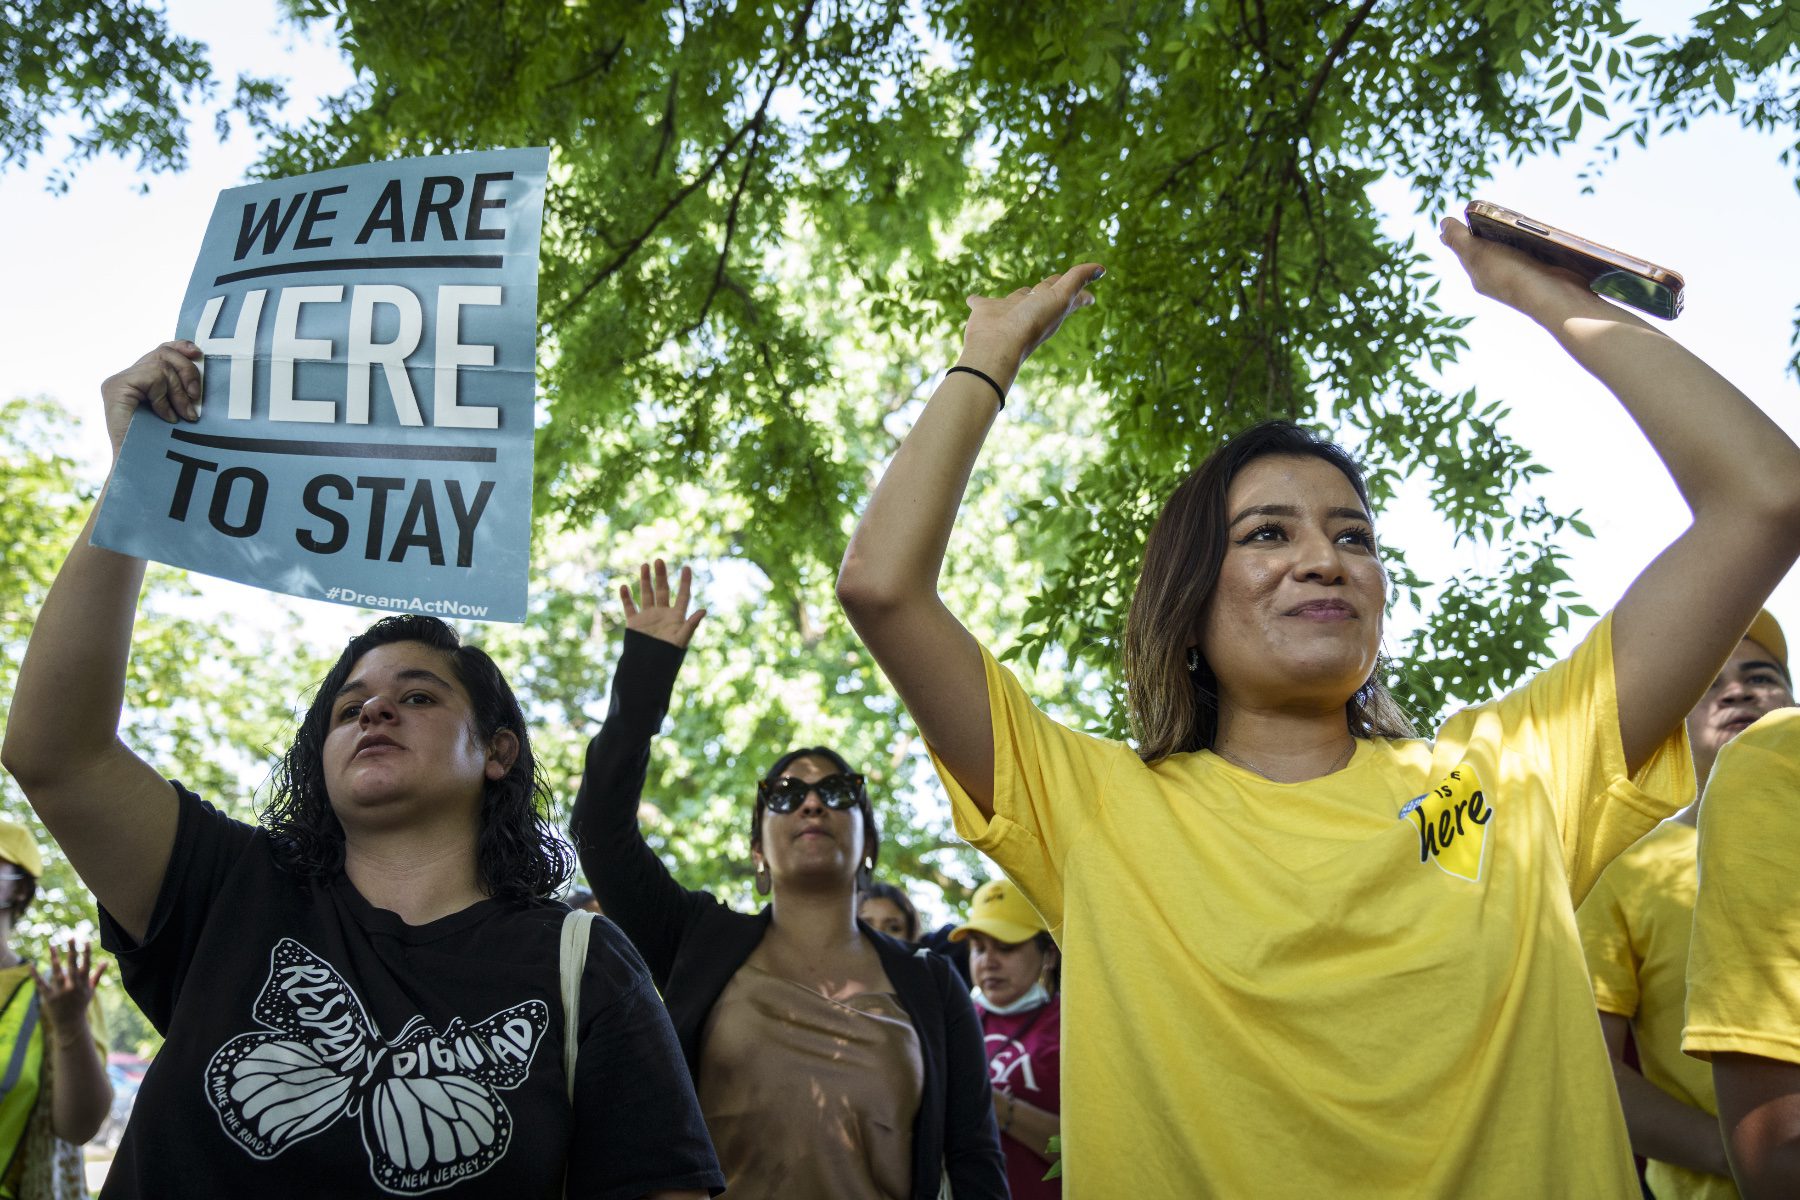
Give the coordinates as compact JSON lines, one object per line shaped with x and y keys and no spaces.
{"x":518,"y":856}
{"x":871,"y":831}
{"x":1174,"y":710}
{"x":899,"y":899}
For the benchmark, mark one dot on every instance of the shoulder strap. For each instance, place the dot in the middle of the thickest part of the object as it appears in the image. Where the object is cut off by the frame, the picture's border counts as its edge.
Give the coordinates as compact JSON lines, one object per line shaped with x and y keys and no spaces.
{"x":575,"y":929}
{"x":26,"y":1030}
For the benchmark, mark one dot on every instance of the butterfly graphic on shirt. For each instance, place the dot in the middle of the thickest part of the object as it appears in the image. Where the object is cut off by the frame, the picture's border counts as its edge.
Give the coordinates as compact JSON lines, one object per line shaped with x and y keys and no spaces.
{"x":428,"y":1102}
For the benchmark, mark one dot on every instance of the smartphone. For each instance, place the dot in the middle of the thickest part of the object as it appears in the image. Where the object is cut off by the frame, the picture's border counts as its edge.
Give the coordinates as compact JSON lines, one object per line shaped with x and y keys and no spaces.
{"x":1643,"y":285}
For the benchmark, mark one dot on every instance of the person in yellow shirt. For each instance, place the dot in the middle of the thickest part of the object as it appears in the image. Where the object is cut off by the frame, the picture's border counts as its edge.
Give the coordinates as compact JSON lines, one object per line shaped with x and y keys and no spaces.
{"x":1306,"y":953}
{"x":1743,"y":982}
{"x":1634,"y":930}
{"x":53,"y":1039}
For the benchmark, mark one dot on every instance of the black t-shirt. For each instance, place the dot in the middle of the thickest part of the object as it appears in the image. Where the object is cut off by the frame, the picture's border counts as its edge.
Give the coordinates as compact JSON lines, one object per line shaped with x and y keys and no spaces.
{"x":319,"y":1046}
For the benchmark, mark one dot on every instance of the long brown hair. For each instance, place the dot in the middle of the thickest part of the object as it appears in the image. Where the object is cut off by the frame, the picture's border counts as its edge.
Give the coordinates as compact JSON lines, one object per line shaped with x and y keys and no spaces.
{"x":1174,"y":709}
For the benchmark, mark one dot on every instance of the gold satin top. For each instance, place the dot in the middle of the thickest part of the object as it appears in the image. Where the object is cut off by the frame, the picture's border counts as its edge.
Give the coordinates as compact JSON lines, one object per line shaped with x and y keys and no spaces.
{"x":808,"y":1096}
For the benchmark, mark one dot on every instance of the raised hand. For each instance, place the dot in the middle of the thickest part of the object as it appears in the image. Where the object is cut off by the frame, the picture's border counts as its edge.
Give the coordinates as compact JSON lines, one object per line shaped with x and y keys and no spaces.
{"x":64,"y":995}
{"x":1510,"y":276}
{"x":167,"y":379}
{"x":654,"y":613}
{"x":1003,"y":330}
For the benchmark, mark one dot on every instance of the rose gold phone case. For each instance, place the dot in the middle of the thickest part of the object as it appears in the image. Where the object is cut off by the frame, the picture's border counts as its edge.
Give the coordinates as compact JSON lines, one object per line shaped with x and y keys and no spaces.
{"x":1645,"y":286}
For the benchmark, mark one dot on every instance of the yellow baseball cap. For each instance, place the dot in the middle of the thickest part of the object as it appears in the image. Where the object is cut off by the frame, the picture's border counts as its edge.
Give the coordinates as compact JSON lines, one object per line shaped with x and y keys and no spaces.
{"x":18,"y":846}
{"x":1765,"y":631}
{"x":1002,"y":912}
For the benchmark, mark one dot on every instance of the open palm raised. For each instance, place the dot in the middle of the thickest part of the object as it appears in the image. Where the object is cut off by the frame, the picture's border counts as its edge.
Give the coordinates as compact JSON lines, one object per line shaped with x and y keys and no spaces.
{"x":654,"y":613}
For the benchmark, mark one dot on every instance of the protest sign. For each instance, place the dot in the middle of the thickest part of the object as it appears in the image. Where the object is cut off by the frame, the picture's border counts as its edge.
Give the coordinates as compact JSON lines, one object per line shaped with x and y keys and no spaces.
{"x":366,"y":433}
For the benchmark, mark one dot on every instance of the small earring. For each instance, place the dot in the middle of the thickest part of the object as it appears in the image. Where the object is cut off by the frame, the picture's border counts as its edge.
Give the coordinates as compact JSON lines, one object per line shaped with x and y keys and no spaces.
{"x":1193,"y":659}
{"x":762,"y":879}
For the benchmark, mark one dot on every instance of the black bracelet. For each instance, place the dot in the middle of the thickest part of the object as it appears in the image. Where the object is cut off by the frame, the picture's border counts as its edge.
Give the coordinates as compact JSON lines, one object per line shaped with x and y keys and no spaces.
{"x":984,"y":377}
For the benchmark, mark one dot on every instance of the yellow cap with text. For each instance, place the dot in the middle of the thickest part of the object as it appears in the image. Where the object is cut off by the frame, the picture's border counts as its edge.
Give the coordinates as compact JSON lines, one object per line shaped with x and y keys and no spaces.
{"x":1002,"y":912}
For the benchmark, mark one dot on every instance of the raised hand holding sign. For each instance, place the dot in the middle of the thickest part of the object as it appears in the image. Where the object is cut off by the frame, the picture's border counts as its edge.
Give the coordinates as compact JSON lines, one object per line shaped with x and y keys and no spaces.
{"x":364,"y":433}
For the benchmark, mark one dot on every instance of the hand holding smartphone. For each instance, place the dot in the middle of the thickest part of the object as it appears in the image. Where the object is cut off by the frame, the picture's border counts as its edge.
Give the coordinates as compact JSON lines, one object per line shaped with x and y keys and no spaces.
{"x":1642,"y":285}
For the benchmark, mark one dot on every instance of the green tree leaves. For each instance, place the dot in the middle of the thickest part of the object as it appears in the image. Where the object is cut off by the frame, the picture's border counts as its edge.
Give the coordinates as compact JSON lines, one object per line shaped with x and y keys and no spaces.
{"x":116,"y":68}
{"x":765,"y":215}
{"x":1741,"y":59}
{"x":202,"y":707}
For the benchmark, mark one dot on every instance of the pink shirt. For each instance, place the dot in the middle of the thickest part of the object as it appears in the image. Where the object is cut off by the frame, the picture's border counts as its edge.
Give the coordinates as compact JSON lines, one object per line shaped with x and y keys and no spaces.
{"x":1025,"y":1061}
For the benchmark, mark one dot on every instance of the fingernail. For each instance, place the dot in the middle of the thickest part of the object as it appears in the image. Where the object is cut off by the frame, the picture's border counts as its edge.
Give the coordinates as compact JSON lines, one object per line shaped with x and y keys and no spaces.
{"x":1099,"y":272}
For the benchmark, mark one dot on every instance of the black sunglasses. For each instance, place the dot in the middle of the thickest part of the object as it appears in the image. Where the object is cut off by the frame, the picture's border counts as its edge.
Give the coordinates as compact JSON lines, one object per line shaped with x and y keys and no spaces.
{"x":786,"y":794}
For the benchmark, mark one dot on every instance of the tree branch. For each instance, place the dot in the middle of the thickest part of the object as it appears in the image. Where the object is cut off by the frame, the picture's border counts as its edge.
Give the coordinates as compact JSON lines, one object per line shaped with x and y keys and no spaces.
{"x":1332,"y":57}
{"x":601,"y":63}
{"x":668,"y":124}
{"x":693,"y":185}
{"x":1176,"y":170}
{"x":809,"y":630}
{"x":668,"y":121}
{"x":731,"y":220}
{"x":674,"y":202}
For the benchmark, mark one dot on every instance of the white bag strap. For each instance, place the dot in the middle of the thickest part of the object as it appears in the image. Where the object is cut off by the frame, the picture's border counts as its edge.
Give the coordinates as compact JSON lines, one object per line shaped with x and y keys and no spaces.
{"x":575,"y":929}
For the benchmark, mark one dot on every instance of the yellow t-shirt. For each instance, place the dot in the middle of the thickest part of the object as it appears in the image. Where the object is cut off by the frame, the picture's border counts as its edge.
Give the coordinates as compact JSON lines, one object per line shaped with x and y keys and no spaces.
{"x":1744,"y":969}
{"x":1364,"y":985}
{"x":1634,"y":929}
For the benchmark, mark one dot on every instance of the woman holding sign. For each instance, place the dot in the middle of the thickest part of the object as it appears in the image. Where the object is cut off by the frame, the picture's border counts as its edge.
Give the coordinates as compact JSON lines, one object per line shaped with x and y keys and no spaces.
{"x":1307,"y":953}
{"x":363,"y":997}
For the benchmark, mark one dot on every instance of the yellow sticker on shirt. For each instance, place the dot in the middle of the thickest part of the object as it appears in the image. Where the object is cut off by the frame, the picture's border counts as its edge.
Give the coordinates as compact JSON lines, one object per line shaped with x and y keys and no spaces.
{"x":1452,"y":820}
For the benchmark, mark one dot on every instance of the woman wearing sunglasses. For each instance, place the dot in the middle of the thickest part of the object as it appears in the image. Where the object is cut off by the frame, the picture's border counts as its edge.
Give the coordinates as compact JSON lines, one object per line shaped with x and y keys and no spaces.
{"x":830,"y":1060}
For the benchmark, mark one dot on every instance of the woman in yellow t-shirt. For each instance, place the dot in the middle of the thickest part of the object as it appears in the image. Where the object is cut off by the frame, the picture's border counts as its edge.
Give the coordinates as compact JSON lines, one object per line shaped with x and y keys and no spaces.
{"x":1305,"y":952}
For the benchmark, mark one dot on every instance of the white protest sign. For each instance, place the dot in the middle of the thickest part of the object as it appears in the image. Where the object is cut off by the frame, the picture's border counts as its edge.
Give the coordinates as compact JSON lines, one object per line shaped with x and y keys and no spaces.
{"x":366,"y":433}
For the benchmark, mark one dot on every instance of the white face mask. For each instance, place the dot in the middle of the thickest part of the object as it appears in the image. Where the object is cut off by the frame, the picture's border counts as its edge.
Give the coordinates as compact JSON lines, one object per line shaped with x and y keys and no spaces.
{"x":1036,"y":996}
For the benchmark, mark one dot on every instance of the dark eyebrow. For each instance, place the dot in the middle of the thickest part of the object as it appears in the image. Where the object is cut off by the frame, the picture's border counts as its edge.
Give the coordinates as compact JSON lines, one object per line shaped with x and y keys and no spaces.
{"x":1759,"y":665}
{"x":1288,"y":510}
{"x":410,"y":673}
